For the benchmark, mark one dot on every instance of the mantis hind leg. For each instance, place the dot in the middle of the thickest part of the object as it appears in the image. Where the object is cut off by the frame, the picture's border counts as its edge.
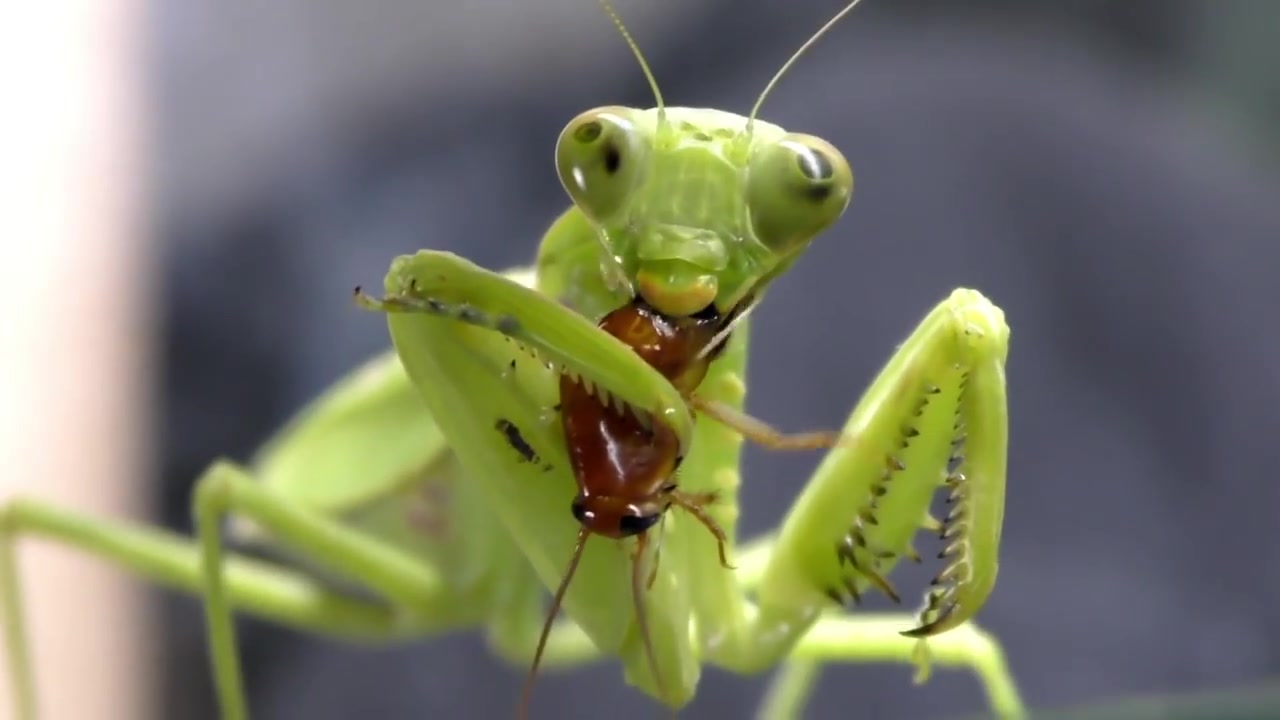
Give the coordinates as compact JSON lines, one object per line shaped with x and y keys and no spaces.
{"x":419,"y":596}
{"x":412,"y":599}
{"x":878,"y":639}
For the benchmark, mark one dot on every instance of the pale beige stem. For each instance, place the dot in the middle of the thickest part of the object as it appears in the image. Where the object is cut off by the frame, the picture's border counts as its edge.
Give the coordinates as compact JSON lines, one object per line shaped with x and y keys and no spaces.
{"x":75,"y":347}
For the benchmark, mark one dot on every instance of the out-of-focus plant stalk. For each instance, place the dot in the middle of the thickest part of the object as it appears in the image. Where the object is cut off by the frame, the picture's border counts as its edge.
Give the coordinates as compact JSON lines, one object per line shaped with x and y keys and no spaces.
{"x":75,"y":338}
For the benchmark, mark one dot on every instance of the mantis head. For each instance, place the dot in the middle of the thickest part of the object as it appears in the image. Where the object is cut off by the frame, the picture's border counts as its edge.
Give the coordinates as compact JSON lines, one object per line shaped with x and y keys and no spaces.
{"x":701,"y":208}
{"x":697,"y":211}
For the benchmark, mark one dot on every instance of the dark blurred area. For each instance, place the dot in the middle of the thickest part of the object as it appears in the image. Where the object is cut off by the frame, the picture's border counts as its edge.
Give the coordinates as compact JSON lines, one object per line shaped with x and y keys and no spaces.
{"x":1106,"y":172}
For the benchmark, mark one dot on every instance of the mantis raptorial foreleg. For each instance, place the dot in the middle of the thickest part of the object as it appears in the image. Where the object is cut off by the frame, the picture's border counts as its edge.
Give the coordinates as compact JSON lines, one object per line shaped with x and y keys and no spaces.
{"x":935,"y":415}
{"x":504,"y":347}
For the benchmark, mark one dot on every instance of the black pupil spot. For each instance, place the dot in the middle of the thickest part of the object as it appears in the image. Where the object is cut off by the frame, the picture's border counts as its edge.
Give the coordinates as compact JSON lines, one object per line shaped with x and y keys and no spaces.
{"x":612,"y":158}
{"x":588,"y":131}
{"x":814,"y":164}
{"x":629,"y":525}
{"x":818,"y":192}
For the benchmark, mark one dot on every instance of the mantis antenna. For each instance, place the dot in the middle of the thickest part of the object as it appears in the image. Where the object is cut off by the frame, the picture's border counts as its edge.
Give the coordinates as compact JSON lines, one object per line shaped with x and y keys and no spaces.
{"x":644,"y":66}
{"x":751,"y":119}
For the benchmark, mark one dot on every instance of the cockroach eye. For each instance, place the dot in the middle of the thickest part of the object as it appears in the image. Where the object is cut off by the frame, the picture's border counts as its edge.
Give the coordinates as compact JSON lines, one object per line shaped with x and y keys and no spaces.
{"x":580,"y":512}
{"x":629,"y":525}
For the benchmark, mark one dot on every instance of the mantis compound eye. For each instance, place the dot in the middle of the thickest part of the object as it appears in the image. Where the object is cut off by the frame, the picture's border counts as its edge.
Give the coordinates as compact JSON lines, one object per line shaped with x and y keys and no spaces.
{"x":796,"y":188}
{"x":598,"y":157}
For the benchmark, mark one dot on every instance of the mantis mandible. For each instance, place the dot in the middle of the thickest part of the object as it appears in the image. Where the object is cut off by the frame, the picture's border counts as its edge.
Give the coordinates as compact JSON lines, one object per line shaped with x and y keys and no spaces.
{"x":436,"y":480}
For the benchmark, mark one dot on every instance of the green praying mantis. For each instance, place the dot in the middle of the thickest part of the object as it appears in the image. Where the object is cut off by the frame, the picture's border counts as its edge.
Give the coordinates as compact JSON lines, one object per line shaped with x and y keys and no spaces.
{"x":430,"y":490}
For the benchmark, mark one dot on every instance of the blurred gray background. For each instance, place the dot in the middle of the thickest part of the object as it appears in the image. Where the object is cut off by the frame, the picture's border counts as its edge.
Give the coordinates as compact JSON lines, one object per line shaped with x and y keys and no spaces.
{"x":1107,"y":172}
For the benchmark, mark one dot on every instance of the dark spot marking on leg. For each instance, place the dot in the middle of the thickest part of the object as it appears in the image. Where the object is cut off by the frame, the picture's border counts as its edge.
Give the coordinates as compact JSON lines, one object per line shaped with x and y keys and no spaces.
{"x":470,"y":315}
{"x":507,"y":325}
{"x":516,"y":440}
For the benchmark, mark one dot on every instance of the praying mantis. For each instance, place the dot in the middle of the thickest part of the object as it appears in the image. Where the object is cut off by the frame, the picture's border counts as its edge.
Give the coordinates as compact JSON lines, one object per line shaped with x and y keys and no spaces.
{"x":430,"y":489}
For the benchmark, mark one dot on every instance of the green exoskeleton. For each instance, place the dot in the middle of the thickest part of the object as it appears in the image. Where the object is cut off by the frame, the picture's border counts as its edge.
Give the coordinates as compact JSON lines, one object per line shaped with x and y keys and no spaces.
{"x":435,"y":478}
